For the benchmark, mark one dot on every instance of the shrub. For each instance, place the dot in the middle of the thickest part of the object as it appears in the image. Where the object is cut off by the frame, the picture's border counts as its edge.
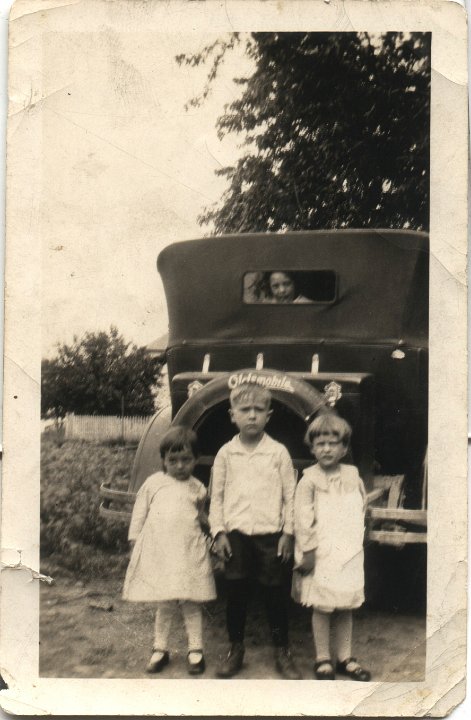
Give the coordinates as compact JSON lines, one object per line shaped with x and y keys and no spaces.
{"x":73,"y":534}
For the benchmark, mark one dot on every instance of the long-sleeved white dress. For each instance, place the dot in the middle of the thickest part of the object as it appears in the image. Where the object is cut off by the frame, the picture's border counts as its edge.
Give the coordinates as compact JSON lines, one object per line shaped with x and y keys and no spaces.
{"x":170,"y":560}
{"x":330,"y":519}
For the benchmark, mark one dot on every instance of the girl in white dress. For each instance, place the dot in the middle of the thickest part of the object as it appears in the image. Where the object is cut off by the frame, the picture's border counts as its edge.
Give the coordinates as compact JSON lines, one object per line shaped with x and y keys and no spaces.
{"x":170,"y":562}
{"x":329,"y":530}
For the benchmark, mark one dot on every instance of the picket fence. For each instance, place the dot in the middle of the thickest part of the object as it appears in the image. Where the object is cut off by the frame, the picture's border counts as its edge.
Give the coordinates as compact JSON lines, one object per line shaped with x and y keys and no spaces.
{"x":104,"y":427}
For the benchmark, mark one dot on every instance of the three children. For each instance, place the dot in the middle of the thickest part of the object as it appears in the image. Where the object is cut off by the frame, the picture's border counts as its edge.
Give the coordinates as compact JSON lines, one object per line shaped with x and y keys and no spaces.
{"x":254,"y":517}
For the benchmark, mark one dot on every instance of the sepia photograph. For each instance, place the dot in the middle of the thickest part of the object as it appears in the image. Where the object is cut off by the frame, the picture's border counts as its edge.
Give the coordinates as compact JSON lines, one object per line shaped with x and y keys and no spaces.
{"x":305,"y":299}
{"x":232,"y":425}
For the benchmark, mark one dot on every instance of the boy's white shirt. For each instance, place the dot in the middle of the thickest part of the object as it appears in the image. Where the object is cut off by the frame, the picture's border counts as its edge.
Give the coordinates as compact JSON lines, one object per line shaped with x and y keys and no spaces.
{"x":252,"y":489}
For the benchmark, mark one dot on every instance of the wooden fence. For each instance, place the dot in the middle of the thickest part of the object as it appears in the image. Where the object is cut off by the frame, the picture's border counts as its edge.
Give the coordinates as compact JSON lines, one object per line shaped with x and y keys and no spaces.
{"x":104,"y":427}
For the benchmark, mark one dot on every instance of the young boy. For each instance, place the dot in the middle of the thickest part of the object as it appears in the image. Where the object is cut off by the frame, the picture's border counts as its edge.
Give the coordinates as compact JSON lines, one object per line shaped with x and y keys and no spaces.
{"x":251,"y":517}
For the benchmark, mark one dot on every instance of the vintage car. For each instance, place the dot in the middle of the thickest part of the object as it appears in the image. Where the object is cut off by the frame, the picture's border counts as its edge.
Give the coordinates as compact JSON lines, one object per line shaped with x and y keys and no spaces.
{"x":353,"y":341}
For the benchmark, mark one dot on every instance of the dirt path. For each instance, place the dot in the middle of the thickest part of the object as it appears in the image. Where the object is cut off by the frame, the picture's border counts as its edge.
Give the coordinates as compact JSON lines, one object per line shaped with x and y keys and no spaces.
{"x":87,"y":631}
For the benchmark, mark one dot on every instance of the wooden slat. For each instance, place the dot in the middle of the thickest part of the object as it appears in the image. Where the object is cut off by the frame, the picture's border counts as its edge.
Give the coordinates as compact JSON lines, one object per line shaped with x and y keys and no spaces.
{"x":394,"y":497}
{"x":425,"y":482}
{"x":117,"y":495}
{"x":375,"y":494}
{"x":413,"y":516}
{"x":123,"y":515}
{"x":385,"y":481}
{"x":391,"y":537}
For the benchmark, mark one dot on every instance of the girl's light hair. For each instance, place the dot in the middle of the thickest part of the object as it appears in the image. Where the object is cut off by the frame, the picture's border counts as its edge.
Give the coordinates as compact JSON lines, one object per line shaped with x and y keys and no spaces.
{"x":328,"y":424}
{"x":179,"y":438}
{"x":250,"y":391}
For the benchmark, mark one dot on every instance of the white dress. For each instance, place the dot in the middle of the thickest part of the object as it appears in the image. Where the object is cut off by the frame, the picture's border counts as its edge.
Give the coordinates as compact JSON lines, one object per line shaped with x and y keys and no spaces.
{"x":330,"y":519}
{"x":170,"y":560}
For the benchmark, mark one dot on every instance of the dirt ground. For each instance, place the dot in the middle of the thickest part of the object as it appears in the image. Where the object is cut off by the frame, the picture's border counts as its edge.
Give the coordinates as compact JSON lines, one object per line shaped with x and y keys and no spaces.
{"x":87,"y":631}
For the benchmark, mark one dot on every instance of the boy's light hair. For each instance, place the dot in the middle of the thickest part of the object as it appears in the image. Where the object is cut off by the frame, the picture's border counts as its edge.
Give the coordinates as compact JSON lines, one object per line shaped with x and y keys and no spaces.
{"x":249,"y":391}
{"x":329,"y":424}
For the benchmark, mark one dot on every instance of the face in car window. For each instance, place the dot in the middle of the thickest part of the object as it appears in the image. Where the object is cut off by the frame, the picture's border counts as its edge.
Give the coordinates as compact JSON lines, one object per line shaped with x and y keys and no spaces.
{"x":288,"y":287}
{"x":281,"y":287}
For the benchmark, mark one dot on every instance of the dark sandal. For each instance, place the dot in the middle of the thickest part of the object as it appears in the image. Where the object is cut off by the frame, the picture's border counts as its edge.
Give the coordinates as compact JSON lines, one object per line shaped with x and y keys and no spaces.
{"x":327,"y":674}
{"x":358,"y":673}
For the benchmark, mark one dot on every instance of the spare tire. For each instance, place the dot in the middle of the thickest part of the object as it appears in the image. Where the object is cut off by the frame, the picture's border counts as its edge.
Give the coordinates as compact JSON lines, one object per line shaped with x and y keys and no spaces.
{"x":303,"y":399}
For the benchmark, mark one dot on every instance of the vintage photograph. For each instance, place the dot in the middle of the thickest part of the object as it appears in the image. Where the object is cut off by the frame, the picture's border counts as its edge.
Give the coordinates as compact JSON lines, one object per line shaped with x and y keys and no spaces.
{"x":234,"y":375}
{"x":234,"y":478}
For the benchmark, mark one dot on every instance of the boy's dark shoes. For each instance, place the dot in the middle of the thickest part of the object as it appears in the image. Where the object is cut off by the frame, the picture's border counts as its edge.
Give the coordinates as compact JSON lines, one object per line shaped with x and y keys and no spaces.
{"x":195,"y":662}
{"x":233,"y":662}
{"x":353,"y":670}
{"x":158,"y":661}
{"x":285,"y":665}
{"x":323,"y":670}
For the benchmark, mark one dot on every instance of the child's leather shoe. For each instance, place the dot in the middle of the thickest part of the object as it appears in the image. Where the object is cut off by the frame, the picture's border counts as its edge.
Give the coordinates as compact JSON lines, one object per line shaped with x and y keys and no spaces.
{"x":159,"y":659}
{"x":231,"y":665}
{"x":196,"y":665}
{"x":353,"y":670}
{"x":285,"y":664}
{"x":323,"y":670}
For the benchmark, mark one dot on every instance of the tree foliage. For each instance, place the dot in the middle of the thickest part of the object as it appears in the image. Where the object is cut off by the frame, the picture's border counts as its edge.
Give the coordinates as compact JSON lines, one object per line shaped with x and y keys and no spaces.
{"x":99,"y":374}
{"x":334,"y":129}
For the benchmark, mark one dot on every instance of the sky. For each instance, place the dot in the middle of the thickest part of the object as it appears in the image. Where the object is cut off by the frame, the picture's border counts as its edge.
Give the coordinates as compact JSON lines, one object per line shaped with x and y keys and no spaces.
{"x":126,"y":171}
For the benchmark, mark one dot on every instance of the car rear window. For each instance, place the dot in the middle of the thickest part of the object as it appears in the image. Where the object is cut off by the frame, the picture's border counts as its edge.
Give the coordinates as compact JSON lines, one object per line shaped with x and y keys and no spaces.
{"x":289,"y":287}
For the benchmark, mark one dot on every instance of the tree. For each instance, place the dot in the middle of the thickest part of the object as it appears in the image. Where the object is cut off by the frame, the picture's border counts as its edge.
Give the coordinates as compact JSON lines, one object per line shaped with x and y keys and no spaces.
{"x":99,"y":374}
{"x":335,"y":131}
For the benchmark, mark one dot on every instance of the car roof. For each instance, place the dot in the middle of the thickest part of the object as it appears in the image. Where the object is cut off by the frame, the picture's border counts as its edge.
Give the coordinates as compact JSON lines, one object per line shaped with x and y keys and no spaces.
{"x":382,"y":286}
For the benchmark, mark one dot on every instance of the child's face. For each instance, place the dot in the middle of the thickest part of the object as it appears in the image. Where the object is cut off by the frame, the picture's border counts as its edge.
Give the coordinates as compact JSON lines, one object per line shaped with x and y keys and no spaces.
{"x":328,"y":450}
{"x":251,"y":416}
{"x":282,"y":287}
{"x":179,"y":463}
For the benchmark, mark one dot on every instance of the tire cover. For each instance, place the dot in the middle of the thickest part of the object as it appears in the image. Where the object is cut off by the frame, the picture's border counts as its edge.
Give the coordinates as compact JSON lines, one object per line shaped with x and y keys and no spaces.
{"x":296,"y":394}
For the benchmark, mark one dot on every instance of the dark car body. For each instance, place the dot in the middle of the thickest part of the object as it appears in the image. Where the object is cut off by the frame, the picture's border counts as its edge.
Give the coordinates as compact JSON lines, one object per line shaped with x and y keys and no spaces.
{"x":363,"y":349}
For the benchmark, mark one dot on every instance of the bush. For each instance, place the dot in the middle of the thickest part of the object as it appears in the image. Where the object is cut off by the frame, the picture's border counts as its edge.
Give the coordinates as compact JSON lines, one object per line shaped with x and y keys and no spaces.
{"x":74,"y":536}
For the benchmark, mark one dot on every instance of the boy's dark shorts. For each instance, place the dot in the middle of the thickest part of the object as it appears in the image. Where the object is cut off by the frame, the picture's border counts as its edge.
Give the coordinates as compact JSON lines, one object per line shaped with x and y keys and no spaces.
{"x":255,"y":557}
